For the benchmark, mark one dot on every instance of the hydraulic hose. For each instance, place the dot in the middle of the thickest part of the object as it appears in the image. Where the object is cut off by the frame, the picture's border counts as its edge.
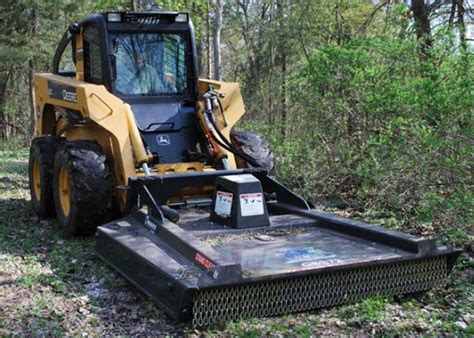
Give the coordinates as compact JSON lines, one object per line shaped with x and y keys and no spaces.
{"x":226,"y":141}
{"x":210,"y":118}
{"x":227,"y":146}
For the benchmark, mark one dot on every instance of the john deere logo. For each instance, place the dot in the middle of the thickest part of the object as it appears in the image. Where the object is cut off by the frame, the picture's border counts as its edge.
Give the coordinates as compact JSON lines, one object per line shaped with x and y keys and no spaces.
{"x":163,"y":140}
{"x":69,"y":96}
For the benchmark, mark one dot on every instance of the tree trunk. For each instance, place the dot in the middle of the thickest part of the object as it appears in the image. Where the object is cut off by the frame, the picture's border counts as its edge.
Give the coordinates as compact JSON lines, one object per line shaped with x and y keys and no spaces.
{"x":271,"y":112}
{"x":31,"y":129}
{"x":283,"y":67}
{"x":31,"y":67}
{"x":461,"y":25}
{"x":284,"y":107}
{"x":3,"y":118}
{"x":422,"y":26}
{"x":200,"y":40}
{"x":208,"y":32}
{"x":217,"y":39}
{"x":452,"y":12}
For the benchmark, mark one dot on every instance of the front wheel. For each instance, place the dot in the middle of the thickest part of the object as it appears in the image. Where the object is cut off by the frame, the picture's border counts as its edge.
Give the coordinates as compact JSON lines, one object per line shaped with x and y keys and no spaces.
{"x":40,"y":169}
{"x":83,"y":187}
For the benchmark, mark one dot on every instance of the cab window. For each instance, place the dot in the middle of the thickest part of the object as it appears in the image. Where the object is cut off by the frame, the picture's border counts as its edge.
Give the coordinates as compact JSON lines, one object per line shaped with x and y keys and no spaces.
{"x":66,"y":62}
{"x":150,"y":64}
{"x":92,"y":57}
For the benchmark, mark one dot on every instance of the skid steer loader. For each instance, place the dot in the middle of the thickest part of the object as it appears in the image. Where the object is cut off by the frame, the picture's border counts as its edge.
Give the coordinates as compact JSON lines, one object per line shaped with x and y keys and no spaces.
{"x":132,"y":146}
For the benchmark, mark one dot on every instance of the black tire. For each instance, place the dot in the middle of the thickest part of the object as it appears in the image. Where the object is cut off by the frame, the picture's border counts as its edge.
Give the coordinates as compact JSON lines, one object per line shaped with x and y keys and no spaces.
{"x":42,"y":152}
{"x":89,"y":187}
{"x":256,"y":147}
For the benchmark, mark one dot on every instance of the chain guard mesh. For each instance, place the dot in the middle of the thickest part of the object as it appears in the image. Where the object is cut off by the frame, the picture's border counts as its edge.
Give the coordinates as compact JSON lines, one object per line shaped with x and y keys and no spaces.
{"x":311,"y":292}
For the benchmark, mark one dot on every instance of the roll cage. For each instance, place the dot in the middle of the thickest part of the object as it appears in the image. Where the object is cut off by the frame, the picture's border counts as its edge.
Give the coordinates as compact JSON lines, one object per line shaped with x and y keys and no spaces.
{"x":123,"y":22}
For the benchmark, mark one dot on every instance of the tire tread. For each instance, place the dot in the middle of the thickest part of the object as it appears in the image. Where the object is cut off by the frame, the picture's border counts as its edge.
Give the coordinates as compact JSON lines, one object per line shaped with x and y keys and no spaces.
{"x":91,"y":186}
{"x":44,"y":148}
{"x":256,"y":147}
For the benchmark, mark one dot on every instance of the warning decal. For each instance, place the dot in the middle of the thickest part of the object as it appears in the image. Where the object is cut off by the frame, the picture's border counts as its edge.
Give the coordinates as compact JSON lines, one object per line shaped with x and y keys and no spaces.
{"x":223,"y":203}
{"x":251,"y":204}
{"x":203,"y":261}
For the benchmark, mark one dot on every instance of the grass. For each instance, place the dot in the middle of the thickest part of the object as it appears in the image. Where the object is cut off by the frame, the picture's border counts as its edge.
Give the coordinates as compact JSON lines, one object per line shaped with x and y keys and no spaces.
{"x":53,"y":286}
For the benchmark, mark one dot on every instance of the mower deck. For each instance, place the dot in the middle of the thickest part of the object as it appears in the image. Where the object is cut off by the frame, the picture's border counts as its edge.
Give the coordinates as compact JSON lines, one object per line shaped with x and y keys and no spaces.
{"x":291,"y":244}
{"x":202,"y":271}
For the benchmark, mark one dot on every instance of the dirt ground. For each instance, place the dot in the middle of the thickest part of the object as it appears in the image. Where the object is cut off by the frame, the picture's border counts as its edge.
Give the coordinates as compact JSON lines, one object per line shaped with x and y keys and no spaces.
{"x":53,"y":286}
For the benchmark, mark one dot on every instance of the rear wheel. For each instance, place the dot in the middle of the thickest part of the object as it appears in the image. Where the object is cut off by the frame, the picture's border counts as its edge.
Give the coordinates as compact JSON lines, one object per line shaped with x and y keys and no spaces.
{"x":83,"y":187}
{"x":40,"y":169}
{"x":256,"y":147}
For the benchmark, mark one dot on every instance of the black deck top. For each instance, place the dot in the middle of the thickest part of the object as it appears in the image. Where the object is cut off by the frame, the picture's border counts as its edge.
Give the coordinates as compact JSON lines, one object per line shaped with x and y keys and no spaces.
{"x":290,"y":243}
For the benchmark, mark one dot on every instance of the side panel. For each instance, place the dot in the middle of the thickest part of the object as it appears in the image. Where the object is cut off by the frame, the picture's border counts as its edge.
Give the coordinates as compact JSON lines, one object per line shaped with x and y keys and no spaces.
{"x":111,"y":127}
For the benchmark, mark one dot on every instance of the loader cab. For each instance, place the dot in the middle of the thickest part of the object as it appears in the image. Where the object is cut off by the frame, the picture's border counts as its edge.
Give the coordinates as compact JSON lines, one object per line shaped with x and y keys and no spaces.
{"x":149,"y":61}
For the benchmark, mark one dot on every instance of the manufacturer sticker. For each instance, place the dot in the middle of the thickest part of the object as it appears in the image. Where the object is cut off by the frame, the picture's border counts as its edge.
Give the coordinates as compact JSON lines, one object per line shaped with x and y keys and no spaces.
{"x":305,"y":254}
{"x":62,"y":92}
{"x":251,"y":204}
{"x":223,"y":203}
{"x":69,"y":96}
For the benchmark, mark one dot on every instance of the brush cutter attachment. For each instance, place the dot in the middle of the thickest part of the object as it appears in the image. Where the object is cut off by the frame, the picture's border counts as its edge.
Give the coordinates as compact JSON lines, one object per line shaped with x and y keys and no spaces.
{"x":224,"y":260}
{"x":207,"y":241}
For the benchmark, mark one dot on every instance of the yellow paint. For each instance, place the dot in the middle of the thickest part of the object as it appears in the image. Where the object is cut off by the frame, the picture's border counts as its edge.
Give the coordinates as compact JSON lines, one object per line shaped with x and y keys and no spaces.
{"x":111,"y":123}
{"x":135,"y":138}
{"x":179,"y":167}
{"x":233,"y":105}
{"x":80,"y":62}
{"x":110,"y":127}
{"x":64,"y":192}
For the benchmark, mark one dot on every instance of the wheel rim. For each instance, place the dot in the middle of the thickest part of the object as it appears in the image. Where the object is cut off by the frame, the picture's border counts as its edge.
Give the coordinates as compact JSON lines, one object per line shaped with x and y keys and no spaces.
{"x":36,"y":180}
{"x":64,"y":196}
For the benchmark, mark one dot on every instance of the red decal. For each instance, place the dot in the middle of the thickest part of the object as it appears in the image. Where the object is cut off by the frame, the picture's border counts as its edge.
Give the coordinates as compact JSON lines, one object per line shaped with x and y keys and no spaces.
{"x":203,"y":261}
{"x":251,"y":195}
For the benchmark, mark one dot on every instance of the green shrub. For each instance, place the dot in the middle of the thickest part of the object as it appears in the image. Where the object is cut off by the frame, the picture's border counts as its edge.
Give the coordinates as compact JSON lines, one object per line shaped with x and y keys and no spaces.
{"x":379,"y":128}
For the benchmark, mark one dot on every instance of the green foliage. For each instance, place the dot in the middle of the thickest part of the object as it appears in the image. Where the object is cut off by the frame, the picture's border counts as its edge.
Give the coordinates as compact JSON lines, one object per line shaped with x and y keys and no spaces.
{"x":371,"y":308}
{"x":369,"y":123}
{"x":239,"y":331}
{"x":374,"y":127}
{"x":287,"y":327}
